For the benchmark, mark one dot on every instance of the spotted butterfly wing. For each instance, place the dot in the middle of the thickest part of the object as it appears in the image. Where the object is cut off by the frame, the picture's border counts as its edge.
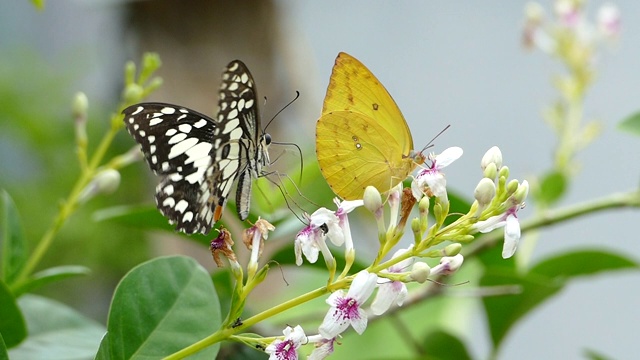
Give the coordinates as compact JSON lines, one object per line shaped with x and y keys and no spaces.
{"x":200,"y":158}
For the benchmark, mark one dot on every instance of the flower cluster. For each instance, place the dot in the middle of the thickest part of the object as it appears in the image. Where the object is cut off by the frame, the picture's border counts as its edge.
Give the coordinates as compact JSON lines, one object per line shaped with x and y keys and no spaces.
{"x":497,"y":202}
{"x":571,"y":34}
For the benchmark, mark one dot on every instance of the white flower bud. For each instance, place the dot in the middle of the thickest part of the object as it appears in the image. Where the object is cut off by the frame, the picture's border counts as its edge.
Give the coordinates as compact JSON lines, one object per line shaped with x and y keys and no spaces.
{"x":105,"y":182}
{"x":521,"y":193}
{"x":492,"y":156}
{"x":372,"y":199}
{"x":485,"y":192}
{"x":420,"y":272}
{"x":448,"y":265}
{"x":452,"y":249}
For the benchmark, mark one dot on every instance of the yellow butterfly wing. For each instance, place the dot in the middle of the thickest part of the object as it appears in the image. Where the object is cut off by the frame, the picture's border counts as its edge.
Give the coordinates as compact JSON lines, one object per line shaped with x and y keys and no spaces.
{"x":361,"y":137}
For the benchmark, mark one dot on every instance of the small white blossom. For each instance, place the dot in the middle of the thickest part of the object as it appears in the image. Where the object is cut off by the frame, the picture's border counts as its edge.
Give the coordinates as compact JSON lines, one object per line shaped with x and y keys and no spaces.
{"x":432,"y":178}
{"x":508,"y":220}
{"x":286,"y":349}
{"x":609,"y":20}
{"x":392,"y":291}
{"x":324,"y":347}
{"x":344,"y":208}
{"x":346,"y":309}
{"x":448,"y":265}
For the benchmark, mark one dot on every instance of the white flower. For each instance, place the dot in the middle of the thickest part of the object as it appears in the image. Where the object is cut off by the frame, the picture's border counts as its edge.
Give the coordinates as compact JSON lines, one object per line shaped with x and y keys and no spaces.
{"x":432,"y":179}
{"x":448,"y":265}
{"x":609,"y":20}
{"x":287,"y":349}
{"x":344,"y":208}
{"x":508,"y":220}
{"x":568,"y":12}
{"x":325,"y":223}
{"x":347,"y":309}
{"x":310,"y":241}
{"x":392,"y":291}
{"x":324,"y":347}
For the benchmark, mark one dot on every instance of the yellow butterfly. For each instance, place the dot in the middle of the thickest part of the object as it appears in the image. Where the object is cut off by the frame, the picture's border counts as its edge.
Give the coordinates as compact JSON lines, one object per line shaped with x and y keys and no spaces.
{"x":361,"y":137}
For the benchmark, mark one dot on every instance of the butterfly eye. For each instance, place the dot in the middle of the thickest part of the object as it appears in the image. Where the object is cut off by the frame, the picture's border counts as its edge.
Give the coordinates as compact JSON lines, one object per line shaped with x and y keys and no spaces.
{"x":267,"y":139}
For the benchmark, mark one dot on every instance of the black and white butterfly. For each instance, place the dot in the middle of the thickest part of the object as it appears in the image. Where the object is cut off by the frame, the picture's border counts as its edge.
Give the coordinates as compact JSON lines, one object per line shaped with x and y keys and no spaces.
{"x":200,"y":158}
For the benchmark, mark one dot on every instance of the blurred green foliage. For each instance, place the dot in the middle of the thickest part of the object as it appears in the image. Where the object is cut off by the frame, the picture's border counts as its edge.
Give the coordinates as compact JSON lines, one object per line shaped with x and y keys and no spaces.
{"x":39,"y":167}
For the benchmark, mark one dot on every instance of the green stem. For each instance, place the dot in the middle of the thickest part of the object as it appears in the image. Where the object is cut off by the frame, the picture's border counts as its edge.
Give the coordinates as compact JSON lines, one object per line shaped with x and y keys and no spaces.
{"x":68,"y":207}
{"x":613,"y":201}
{"x":224,"y":334}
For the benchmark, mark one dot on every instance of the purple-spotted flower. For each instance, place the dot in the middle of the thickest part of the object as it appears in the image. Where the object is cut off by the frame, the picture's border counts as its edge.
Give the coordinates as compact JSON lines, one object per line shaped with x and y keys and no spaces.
{"x":311,"y":239}
{"x":508,"y":220}
{"x":325,"y":223}
{"x":346,"y":309}
{"x":324,"y":347}
{"x":287,"y":349}
{"x":391,"y":291}
{"x":431,"y":180}
{"x":448,"y":265}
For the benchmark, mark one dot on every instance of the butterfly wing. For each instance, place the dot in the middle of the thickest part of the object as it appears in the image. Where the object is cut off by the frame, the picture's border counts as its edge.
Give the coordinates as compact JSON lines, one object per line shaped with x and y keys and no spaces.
{"x":198,"y":157}
{"x":361,"y":137}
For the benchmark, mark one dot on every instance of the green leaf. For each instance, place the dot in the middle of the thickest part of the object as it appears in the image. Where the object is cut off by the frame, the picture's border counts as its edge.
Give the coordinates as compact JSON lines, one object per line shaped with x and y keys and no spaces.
{"x":3,"y":350}
{"x":440,"y":345}
{"x":14,"y":247}
{"x":631,"y":124}
{"x":56,"y":331}
{"x":594,"y":355}
{"x":543,"y":280}
{"x":504,"y":311}
{"x":12,"y":326}
{"x":581,"y":263}
{"x":51,"y":275}
{"x":160,"y":307}
{"x":552,"y":186}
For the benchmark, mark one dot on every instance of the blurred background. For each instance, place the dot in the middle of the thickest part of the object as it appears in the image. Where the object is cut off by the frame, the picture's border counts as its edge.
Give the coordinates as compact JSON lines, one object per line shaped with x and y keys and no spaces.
{"x":444,"y":63}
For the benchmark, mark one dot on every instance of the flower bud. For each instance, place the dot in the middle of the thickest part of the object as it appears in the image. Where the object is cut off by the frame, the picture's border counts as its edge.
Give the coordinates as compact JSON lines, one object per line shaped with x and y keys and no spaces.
{"x":503,"y":172}
{"x":105,"y":182}
{"x":452,"y":249}
{"x":80,"y":106}
{"x":420,"y":272}
{"x":521,"y":193}
{"x":491,"y":171}
{"x":512,"y":186}
{"x":372,"y":200}
{"x":492,"y":156}
{"x":485,"y":192}
{"x":448,"y":265}
{"x":133,"y":93}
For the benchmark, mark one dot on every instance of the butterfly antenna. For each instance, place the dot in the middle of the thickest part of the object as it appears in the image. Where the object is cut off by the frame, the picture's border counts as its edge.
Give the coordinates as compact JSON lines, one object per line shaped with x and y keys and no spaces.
{"x":299,"y":153}
{"x":285,"y":195}
{"x":281,"y":110}
{"x":430,"y":143}
{"x":299,"y":192}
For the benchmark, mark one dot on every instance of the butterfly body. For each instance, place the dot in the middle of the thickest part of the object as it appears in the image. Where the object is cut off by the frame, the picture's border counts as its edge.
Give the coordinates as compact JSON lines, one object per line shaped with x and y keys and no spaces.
{"x":361,"y":137}
{"x":200,"y":158}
